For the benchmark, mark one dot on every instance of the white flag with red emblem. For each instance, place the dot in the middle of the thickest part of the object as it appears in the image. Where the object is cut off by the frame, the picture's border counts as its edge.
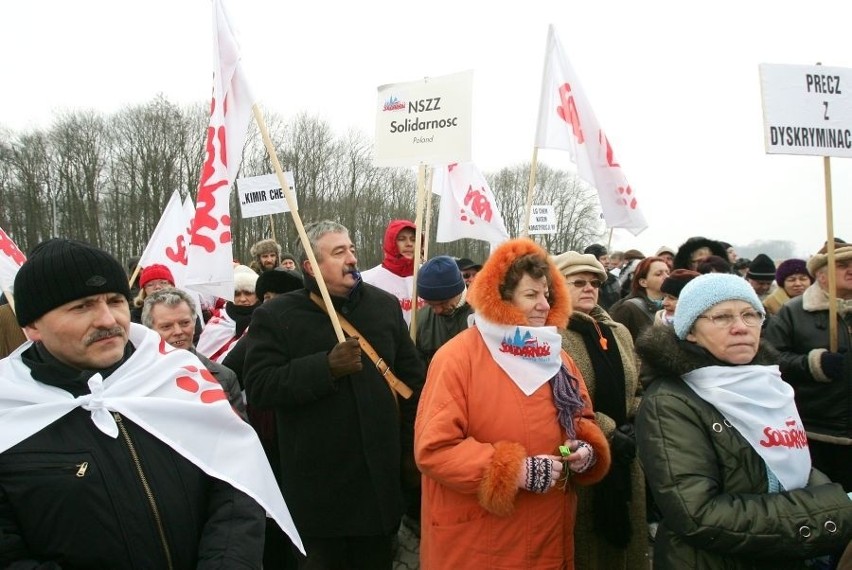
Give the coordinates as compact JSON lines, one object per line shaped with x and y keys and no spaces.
{"x":11,"y":259}
{"x":468,"y":208}
{"x":168,"y":243}
{"x":566,"y":122}
{"x":210,"y":256}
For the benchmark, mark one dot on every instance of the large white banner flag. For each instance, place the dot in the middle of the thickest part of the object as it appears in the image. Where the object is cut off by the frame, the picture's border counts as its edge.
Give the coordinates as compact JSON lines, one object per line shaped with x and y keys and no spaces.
{"x":11,"y":259}
{"x":566,"y":122}
{"x":468,"y":208}
{"x":210,"y":255}
{"x":167,"y":245}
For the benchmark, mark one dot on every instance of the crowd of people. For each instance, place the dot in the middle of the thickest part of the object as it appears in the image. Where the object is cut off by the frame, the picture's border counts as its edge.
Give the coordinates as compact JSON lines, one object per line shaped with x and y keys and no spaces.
{"x":555,"y":410}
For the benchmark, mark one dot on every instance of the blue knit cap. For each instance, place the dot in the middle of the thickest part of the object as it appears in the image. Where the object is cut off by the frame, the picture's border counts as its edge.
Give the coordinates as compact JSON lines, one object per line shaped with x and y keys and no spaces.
{"x":707,"y":290}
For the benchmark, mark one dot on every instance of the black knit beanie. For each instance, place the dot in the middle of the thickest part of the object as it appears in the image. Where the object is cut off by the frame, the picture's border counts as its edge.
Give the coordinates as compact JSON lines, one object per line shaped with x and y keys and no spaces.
{"x":58,"y":271}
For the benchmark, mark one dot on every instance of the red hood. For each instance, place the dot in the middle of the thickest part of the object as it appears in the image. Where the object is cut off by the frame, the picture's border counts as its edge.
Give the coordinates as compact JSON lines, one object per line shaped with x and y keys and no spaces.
{"x":393,"y":260}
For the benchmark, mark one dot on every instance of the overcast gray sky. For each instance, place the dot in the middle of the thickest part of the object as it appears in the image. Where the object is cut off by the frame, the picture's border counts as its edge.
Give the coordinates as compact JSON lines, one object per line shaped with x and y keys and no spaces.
{"x":675,"y":85}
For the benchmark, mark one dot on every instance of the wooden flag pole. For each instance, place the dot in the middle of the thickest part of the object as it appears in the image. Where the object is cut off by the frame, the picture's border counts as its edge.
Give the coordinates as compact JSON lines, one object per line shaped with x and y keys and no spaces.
{"x":10,"y":298}
{"x":136,"y":271}
{"x":297,"y":220}
{"x":832,"y":274}
{"x":272,"y":227}
{"x":525,"y":228}
{"x":418,"y":235}
{"x":427,"y":226}
{"x":609,"y":242}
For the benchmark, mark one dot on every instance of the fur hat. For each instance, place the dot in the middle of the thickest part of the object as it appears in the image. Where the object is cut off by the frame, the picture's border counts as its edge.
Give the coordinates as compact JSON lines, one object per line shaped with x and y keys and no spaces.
{"x":842,"y":251}
{"x":245,"y":279}
{"x":677,"y":280}
{"x":59,"y":271}
{"x":484,"y":294}
{"x":571,"y":263}
{"x":791,"y":267}
{"x":265,"y":246}
{"x":279,"y":280}
{"x":708,"y":290}
{"x":762,"y":268}
{"x":683,"y":258}
{"x":156,"y":271}
{"x":439,"y":279}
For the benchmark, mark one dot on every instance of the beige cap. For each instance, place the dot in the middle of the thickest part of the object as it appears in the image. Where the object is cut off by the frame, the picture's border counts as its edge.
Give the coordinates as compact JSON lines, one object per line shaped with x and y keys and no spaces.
{"x":665,"y":249}
{"x":819,"y":260}
{"x":571,"y":263}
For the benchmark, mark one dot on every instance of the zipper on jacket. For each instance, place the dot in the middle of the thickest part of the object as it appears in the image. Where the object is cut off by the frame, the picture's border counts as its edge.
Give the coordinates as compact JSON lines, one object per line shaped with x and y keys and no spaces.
{"x":151,"y":501}
{"x":81,"y":468}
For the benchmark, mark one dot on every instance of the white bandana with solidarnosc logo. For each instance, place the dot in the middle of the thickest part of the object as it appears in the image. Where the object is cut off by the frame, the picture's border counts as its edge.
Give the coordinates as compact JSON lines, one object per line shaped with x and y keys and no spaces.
{"x":168,"y":393}
{"x":761,"y":407}
{"x":529,"y":355}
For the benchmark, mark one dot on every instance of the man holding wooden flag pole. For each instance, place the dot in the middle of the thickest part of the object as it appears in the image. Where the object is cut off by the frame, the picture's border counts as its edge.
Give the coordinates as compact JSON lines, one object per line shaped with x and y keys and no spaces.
{"x":344,"y":410}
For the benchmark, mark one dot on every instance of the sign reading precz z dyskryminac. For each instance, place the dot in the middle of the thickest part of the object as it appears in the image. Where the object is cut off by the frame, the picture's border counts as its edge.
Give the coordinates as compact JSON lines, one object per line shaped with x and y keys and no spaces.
{"x":807,"y":109}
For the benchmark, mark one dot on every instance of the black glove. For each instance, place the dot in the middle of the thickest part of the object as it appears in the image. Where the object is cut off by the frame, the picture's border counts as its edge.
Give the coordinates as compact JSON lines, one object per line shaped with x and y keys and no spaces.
{"x":345,"y":358}
{"x":832,"y":365}
{"x":623,"y":444}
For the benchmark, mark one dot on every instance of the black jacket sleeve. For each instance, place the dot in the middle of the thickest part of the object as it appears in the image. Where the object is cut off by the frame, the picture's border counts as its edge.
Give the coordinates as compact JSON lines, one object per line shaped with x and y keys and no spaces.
{"x":234,"y":532}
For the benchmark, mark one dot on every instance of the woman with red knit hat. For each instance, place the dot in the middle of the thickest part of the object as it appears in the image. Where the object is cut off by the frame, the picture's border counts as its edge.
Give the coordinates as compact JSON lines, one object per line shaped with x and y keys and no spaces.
{"x":153,"y":278}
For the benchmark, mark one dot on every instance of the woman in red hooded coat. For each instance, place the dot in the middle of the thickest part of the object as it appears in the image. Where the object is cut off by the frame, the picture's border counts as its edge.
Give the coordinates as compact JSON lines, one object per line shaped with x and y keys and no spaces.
{"x":396,"y":272}
{"x":499,"y":401}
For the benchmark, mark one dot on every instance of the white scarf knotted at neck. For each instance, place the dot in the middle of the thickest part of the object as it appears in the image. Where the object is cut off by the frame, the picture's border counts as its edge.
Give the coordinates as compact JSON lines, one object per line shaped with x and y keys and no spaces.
{"x":760,"y":405}
{"x":529,"y":355}
{"x":168,"y":393}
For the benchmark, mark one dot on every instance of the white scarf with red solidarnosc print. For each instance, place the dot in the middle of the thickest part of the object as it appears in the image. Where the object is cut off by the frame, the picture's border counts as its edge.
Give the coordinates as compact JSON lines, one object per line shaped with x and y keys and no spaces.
{"x":529,"y":355}
{"x":218,"y":336}
{"x":760,"y":405}
{"x":168,"y":393}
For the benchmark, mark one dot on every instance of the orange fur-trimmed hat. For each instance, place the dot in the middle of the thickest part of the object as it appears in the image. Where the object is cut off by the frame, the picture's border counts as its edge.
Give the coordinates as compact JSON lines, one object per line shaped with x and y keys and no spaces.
{"x":484,"y":294}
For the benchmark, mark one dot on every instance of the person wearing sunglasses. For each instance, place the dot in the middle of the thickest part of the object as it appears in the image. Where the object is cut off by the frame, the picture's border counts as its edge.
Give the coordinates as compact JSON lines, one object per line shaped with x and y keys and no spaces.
{"x":610,"y":529}
{"x":722,"y":443}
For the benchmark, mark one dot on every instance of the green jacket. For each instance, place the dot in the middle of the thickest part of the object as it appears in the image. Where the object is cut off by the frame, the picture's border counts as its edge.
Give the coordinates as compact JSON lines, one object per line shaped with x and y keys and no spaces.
{"x":710,"y":484}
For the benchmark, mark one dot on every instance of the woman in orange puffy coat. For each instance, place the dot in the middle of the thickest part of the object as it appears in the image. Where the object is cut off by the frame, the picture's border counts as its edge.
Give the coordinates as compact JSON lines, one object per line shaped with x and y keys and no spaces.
{"x":499,"y":401}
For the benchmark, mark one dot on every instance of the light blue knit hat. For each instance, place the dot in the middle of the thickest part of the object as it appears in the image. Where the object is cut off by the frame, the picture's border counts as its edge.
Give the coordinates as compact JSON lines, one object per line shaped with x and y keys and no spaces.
{"x":707,"y":290}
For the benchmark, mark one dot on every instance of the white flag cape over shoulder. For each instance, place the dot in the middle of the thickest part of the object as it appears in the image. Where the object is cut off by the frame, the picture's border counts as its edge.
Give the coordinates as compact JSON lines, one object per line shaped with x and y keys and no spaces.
{"x":566,"y":122}
{"x":11,"y":259}
{"x":210,"y":267}
{"x":468,"y":207}
{"x":168,"y":393}
{"x":167,"y":245}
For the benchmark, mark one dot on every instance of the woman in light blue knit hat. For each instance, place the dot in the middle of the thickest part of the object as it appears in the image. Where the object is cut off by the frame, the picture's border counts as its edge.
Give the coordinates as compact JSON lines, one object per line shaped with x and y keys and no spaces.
{"x":722,"y":444}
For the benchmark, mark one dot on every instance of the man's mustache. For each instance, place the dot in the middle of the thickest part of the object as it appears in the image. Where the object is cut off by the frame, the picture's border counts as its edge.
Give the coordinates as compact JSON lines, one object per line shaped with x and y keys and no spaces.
{"x":101,"y":334}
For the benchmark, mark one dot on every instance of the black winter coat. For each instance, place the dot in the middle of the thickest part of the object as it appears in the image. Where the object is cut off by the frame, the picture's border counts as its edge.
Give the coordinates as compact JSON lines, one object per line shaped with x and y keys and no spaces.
{"x":825,"y":407}
{"x":72,"y":495}
{"x":340,"y":440}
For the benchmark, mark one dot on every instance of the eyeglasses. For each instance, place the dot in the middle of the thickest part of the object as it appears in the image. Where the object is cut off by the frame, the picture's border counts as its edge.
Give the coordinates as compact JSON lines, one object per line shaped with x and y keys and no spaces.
{"x":468,"y":274}
{"x":580,"y":283}
{"x":725,"y":320}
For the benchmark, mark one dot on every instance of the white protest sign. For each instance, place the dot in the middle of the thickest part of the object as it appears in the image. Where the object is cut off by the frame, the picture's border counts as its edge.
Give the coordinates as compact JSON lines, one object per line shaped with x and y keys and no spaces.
{"x":542,"y":220}
{"x":262,"y":195}
{"x":425,"y":121}
{"x":807,"y":109}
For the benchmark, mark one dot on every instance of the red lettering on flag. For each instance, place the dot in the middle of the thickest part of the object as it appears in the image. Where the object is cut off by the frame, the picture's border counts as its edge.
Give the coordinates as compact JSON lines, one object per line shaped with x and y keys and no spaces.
{"x":568,"y":112}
